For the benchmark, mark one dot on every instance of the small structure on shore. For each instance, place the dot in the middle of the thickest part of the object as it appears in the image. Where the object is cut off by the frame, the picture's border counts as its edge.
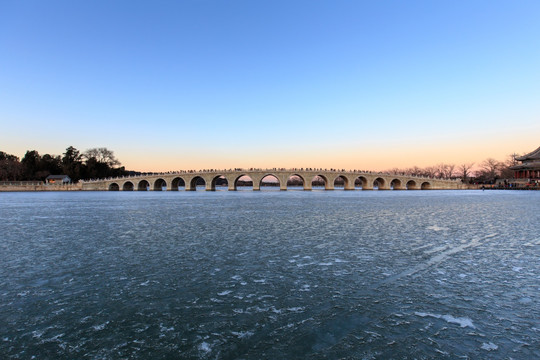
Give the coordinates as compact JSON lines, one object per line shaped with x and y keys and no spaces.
{"x":529,"y":170}
{"x":58,"y":179}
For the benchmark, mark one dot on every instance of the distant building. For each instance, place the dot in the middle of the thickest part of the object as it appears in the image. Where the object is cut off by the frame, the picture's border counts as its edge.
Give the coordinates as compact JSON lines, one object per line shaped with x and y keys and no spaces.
{"x":58,"y":179}
{"x":529,"y":169}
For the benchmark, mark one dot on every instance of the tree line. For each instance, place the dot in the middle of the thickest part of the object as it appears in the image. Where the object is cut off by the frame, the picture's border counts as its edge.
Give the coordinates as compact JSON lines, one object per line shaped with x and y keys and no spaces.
{"x":487,"y":172}
{"x":92,"y":163}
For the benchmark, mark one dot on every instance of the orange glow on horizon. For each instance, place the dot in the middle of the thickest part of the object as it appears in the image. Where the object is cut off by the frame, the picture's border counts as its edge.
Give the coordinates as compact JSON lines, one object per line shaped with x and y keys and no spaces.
{"x":377,"y":159}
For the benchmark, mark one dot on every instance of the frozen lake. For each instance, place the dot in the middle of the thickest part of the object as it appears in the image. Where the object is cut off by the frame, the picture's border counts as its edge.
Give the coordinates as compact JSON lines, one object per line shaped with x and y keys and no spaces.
{"x":268,"y":275}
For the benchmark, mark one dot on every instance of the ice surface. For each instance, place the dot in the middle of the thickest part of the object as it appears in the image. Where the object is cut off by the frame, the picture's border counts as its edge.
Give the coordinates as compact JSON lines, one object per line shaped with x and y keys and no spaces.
{"x":242,"y":334}
{"x":436,"y":228}
{"x":461,"y":321}
{"x":205,"y":347}
{"x":207,"y":275}
{"x":100,"y":326}
{"x":489,"y":346}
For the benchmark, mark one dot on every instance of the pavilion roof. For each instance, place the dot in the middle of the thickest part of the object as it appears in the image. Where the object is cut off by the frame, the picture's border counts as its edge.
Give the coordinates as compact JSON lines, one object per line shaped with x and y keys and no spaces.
{"x":534,"y":155}
{"x":57,"y":177}
{"x":528,"y":166}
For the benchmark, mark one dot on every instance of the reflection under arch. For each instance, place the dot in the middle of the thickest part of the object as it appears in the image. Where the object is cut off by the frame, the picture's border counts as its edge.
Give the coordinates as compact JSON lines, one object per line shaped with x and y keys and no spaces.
{"x":128,"y":186}
{"x":296,"y":182}
{"x":341,"y":182}
{"x":425,"y":186}
{"x":219,"y":182}
{"x":379,"y":183}
{"x":270,"y":182}
{"x":197,"y":181}
{"x":143,"y":185}
{"x":395,"y":184}
{"x":361,"y":183}
{"x":243,"y":182}
{"x":319,"y":182}
{"x":177,"y":183}
{"x":411,"y":185}
{"x":160,"y":185}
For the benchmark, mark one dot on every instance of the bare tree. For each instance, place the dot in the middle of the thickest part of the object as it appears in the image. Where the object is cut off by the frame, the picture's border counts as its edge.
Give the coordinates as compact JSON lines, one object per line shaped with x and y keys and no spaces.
{"x":444,"y":171}
{"x":450,"y":170}
{"x":465,"y":171}
{"x":102,"y":155}
{"x":430,"y":171}
{"x":505,"y":170}
{"x":511,"y":160}
{"x":490,"y":169}
{"x":415,"y":170}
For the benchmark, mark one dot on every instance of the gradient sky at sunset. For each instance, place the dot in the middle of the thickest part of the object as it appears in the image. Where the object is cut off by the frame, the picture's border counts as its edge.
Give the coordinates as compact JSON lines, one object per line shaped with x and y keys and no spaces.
{"x":217,"y":84}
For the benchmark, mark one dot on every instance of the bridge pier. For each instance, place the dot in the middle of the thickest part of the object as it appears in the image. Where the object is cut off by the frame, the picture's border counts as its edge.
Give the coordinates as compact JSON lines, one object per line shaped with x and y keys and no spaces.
{"x":283,"y":181}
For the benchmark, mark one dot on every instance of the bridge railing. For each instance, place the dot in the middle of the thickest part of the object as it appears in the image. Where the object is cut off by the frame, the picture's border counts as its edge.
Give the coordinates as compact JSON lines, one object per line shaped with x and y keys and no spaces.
{"x":21,"y":183}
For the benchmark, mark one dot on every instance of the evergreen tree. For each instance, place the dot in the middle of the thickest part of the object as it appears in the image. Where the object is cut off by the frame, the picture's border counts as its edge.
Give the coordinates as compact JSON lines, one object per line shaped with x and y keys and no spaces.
{"x":31,"y":165}
{"x":10,"y":167}
{"x":72,"y":164}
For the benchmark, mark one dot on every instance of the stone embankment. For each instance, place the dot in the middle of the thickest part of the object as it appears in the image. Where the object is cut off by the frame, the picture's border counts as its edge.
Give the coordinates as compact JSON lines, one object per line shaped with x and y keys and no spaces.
{"x":18,"y":186}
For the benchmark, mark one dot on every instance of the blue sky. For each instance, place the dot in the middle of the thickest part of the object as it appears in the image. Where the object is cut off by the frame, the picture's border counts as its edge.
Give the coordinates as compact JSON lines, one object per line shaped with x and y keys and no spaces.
{"x":209,"y":84}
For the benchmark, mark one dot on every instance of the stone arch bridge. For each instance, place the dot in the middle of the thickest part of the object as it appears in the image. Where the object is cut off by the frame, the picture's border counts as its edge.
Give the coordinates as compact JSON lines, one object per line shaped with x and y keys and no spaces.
{"x":348,"y":180}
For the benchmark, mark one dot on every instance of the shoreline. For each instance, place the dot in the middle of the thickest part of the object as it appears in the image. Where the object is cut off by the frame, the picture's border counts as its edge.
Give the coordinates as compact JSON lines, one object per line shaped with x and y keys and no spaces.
{"x":40,"y":188}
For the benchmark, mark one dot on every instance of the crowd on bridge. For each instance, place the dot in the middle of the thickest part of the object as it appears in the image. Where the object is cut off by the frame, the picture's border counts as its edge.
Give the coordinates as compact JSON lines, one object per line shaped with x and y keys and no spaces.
{"x":217,"y":171}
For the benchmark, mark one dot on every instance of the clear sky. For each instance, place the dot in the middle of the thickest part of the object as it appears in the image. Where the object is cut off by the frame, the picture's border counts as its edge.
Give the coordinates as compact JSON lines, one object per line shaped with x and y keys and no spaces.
{"x":216,"y":84}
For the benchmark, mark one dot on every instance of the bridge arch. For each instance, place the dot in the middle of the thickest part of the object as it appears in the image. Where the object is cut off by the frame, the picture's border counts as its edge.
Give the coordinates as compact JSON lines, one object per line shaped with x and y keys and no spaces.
{"x":425,"y":186}
{"x":295,"y":180}
{"x":242,"y":181}
{"x":361,"y":183}
{"x":271,"y":183}
{"x":338,"y":180}
{"x":396,"y":184}
{"x":319,"y":181}
{"x":218,"y":180}
{"x":196,"y":180}
{"x":379,"y":183}
{"x":128,"y":186}
{"x":143,"y":185}
{"x":114,"y":187}
{"x":177,"y":182}
{"x":411,"y":185}
{"x":159,"y":184}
